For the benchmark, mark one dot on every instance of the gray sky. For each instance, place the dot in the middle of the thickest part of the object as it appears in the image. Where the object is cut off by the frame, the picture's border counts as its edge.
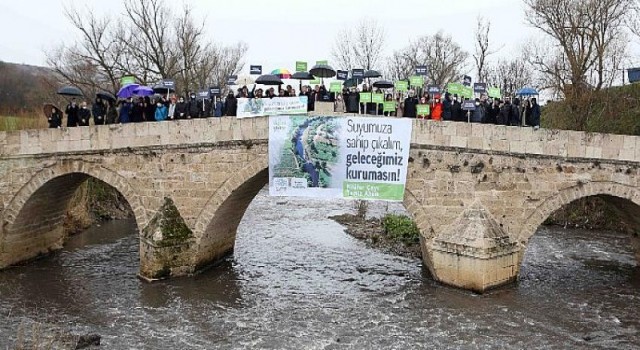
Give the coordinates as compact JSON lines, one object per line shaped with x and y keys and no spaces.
{"x":282,"y":32}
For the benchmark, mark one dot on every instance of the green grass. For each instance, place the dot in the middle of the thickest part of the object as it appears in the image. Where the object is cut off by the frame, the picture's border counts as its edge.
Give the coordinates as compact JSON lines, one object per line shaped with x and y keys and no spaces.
{"x":615,"y":110}
{"x":13,"y":123}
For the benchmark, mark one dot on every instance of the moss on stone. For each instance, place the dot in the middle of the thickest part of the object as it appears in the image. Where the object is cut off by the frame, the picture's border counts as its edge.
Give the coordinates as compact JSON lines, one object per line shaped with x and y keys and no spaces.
{"x":170,"y":224}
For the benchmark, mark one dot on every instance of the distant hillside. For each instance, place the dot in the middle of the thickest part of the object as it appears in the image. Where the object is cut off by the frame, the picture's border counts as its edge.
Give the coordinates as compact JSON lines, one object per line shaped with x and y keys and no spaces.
{"x":24,"y":88}
{"x":615,"y":110}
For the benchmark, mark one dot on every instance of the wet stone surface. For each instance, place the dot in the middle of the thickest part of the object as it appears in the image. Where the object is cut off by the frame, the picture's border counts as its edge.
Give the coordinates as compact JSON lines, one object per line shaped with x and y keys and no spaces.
{"x":297,"y":281}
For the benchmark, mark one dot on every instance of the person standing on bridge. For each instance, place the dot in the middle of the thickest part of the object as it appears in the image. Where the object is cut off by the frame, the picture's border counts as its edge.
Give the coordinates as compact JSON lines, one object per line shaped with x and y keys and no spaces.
{"x":72,"y":113}
{"x":84,"y":115}
{"x":99,"y":111}
{"x":535,"y":113}
{"x":160,"y":114}
{"x":194,"y":107}
{"x":231,"y":105}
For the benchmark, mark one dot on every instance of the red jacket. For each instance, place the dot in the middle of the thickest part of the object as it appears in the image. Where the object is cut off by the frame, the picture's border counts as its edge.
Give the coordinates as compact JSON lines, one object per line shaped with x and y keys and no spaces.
{"x":436,"y":111}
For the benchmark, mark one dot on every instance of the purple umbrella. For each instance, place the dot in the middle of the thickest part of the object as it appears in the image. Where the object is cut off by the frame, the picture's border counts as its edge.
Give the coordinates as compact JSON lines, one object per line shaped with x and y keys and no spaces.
{"x":143,"y":91}
{"x":127,"y":91}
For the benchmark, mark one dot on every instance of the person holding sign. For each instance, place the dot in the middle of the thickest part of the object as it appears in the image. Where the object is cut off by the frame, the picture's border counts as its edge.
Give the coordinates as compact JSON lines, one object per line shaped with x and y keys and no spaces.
{"x":436,"y":109}
{"x":421,"y":111}
{"x":410,"y":104}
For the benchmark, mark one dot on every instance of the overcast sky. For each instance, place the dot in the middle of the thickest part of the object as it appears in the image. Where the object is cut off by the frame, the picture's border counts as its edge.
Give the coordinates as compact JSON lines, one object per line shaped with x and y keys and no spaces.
{"x":279,"y":32}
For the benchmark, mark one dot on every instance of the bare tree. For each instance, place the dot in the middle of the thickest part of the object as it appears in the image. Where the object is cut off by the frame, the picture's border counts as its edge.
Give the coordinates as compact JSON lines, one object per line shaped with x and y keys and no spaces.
{"x":583,"y":35}
{"x":150,"y":43}
{"x":510,"y":75}
{"x":444,"y":58}
{"x":361,"y":48}
{"x":482,"y":48}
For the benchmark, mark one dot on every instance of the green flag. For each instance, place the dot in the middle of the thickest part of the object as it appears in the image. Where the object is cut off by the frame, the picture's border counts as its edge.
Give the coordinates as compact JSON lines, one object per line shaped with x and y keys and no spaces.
{"x":389,"y":106}
{"x":365,"y":97}
{"x":301,"y":66}
{"x":335,"y":86}
{"x":377,"y":98}
{"x":416,"y":81}
{"x":402,"y":85}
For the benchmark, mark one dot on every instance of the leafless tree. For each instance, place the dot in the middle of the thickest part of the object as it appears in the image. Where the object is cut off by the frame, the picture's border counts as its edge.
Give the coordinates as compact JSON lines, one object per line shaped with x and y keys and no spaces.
{"x":584,"y":34}
{"x":360,"y":48}
{"x":150,"y":42}
{"x":482,"y":48}
{"x":444,"y":58}
{"x":510,"y":75}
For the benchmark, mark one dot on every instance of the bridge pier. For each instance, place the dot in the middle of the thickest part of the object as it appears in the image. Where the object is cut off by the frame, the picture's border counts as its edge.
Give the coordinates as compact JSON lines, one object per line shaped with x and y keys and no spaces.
{"x":473,"y":252}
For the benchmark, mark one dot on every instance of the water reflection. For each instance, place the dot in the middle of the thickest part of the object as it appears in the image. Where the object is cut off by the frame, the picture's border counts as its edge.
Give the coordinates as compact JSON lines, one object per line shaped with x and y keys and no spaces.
{"x":296,"y":281}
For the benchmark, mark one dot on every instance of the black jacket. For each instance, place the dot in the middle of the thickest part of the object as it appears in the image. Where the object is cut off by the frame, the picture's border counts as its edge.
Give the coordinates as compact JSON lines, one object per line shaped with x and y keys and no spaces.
{"x":83,"y":117}
{"x":99,"y":111}
{"x":410,"y":107}
{"x":72,"y":115}
{"x":457,"y":114}
{"x":352,"y":102}
{"x":137,"y":113}
{"x":231,"y":107}
{"x":195,"y":106}
{"x":182,"y":110}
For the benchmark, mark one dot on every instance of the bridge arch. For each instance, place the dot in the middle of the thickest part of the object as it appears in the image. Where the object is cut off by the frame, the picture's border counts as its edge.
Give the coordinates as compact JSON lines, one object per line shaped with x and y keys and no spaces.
{"x":32,"y":220}
{"x":217,"y":223}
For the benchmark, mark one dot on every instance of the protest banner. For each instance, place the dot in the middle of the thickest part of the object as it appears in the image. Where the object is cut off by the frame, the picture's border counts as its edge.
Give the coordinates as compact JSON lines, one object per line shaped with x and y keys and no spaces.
{"x":255,"y":70}
{"x":467,"y":91}
{"x":421,"y":70}
{"x":466,"y":81}
{"x":168,"y":84}
{"x":377,"y":98}
{"x":389,"y":106}
{"x":423,"y":110}
{"x":494,"y":92}
{"x":215,"y":91}
{"x":335,"y":86}
{"x":469,"y":105}
{"x":323,"y":62}
{"x":339,"y":157}
{"x":480,"y":88}
{"x":232,"y":80}
{"x":250,"y":107}
{"x":127,"y":80}
{"x":416,"y":81}
{"x":401,"y":85}
{"x":455,"y":88}
{"x":357,"y":73}
{"x":342,"y":75}
{"x":433,"y":89}
{"x":301,"y":66}
{"x":365,"y":97}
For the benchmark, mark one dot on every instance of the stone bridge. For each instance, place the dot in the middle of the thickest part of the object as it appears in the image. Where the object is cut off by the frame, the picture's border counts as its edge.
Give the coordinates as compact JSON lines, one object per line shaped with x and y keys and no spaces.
{"x":477,"y":192}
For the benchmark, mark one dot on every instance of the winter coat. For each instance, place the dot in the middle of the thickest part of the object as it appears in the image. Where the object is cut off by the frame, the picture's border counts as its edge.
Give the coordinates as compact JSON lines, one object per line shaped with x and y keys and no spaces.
{"x":182,"y":110}
{"x":55,"y":119}
{"x":457,"y":114}
{"x":410,"y":107}
{"x":478,"y":114}
{"x":194,"y":107}
{"x":535,"y":115}
{"x":99,"y":111}
{"x":171,"y":111}
{"x":161,"y":113}
{"x":352,"y":102}
{"x":150,"y":112}
{"x":72,"y":115}
{"x":339,"y":106}
{"x":446,"y":110}
{"x":218,"y":110}
{"x":506,"y":114}
{"x":436,"y":111}
{"x":83,"y":117}
{"x":125,"y":112}
{"x":231,"y":107}
{"x":491,"y":116}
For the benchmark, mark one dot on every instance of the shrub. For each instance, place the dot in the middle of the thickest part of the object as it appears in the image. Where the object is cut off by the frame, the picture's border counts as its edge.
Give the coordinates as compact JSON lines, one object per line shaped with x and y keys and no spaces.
{"x":401,"y":227}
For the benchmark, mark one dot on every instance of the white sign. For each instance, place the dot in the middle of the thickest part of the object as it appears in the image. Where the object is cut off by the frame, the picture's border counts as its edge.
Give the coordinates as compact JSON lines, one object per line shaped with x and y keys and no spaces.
{"x":255,"y":107}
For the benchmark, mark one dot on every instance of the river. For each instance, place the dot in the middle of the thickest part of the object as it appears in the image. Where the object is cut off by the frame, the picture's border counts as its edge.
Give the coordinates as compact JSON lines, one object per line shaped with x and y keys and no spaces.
{"x":297,"y":281}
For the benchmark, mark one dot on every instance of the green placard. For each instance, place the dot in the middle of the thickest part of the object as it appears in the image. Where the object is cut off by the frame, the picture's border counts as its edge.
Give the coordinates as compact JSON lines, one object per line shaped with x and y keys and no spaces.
{"x":467,"y":92}
{"x":301,"y":66}
{"x":373,"y":191}
{"x":402,"y":85}
{"x":365,"y":97}
{"x":494,"y":92}
{"x":127,"y":79}
{"x":315,"y":81}
{"x":335,"y":86}
{"x":416,"y":81}
{"x":325,"y":62}
{"x":377,"y":98}
{"x":423,"y":109}
{"x":389,"y":106}
{"x":455,"y":88}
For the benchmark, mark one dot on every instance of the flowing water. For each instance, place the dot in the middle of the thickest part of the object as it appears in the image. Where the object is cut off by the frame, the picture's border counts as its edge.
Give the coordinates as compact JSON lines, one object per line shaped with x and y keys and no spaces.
{"x":297,"y":281}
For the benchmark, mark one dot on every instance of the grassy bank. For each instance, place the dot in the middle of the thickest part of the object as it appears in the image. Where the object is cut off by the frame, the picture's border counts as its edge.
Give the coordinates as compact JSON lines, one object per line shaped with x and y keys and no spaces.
{"x":23,"y":122}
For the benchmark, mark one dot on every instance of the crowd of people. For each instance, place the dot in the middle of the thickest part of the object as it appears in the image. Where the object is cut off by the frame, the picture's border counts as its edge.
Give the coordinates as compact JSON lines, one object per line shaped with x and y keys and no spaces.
{"x":173,"y":107}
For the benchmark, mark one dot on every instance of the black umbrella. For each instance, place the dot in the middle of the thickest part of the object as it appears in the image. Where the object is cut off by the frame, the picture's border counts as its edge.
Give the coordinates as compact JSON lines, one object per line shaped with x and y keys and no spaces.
{"x":161,"y":89}
{"x":383,"y":84}
{"x":322,"y":71}
{"x":372,"y":74}
{"x":106,"y":96}
{"x":70,"y":91}
{"x":302,"y":76}
{"x":269,"y":79}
